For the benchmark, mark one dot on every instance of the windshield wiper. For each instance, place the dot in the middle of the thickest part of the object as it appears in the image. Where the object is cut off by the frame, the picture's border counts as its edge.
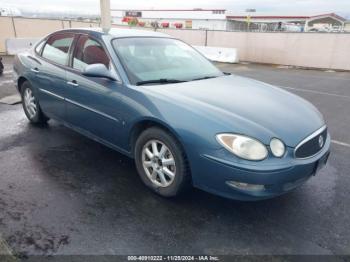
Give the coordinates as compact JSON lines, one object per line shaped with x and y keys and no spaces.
{"x":159,"y":81}
{"x":204,"y":77}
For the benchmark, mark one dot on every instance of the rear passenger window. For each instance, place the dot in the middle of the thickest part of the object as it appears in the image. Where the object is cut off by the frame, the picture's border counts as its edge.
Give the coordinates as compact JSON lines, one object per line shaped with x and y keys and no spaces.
{"x":57,"y":47}
{"x":87,"y":52}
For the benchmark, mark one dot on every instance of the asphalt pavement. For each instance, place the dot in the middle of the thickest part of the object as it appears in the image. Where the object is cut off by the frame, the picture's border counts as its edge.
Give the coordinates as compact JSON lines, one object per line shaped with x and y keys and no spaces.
{"x":61,"y":193}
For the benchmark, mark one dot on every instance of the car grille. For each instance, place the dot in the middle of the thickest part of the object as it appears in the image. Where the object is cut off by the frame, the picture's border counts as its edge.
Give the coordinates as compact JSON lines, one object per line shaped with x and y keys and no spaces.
{"x":311,"y":145}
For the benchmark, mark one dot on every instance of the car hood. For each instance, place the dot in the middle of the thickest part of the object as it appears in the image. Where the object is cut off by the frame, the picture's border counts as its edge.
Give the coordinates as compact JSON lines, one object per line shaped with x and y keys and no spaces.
{"x":247,"y":106}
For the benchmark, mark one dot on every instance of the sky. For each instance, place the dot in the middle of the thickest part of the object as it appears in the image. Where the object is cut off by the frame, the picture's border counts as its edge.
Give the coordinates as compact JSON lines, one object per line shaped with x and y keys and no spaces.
{"x":341,"y":7}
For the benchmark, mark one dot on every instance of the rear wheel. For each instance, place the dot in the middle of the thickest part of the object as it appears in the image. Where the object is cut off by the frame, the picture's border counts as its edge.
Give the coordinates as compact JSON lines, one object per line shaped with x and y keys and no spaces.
{"x":31,"y":106}
{"x":161,"y":163}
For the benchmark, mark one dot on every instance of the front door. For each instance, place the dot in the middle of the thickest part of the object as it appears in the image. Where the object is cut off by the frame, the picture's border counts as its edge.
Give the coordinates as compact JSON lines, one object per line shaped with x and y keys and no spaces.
{"x":93,"y":103}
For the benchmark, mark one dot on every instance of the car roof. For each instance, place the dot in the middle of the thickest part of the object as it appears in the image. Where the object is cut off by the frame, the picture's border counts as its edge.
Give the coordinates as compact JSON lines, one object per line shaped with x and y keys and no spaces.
{"x":116,"y":32}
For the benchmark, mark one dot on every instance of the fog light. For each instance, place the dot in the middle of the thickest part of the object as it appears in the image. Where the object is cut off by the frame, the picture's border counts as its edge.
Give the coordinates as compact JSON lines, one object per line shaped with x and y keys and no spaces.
{"x":245,"y":186}
{"x":277,"y":147}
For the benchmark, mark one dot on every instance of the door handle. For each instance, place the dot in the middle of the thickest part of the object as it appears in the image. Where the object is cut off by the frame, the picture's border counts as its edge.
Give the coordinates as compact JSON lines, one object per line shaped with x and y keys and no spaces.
{"x":35,"y":70}
{"x":73,"y":83}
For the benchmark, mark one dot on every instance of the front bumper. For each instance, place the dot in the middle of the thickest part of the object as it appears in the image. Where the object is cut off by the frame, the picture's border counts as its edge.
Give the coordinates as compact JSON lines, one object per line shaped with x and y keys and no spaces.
{"x":216,"y":169}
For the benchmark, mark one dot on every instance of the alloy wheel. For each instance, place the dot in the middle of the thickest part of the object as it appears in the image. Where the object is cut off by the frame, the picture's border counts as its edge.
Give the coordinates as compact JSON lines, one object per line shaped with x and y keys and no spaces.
{"x":29,"y":103}
{"x":159,"y":163}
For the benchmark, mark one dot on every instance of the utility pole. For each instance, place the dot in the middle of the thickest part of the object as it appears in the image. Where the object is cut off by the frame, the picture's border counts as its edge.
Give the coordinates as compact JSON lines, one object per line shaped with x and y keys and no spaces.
{"x":105,"y":7}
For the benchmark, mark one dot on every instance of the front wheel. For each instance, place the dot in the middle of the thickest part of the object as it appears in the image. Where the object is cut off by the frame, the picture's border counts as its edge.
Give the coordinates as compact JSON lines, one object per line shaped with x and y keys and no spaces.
{"x":31,"y":106}
{"x":161,"y":163}
{"x":1,"y":67}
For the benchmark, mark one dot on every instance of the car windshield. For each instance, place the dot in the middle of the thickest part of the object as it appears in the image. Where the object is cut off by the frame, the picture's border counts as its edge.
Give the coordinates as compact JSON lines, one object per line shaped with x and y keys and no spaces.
{"x":150,"y":60}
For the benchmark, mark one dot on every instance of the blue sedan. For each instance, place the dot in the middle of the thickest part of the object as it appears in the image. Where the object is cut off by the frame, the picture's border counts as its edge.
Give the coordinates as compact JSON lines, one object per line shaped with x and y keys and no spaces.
{"x":157,"y":100}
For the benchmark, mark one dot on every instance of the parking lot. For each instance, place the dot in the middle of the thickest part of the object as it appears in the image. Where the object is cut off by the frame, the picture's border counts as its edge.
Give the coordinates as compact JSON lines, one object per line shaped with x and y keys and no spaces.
{"x":61,"y":193}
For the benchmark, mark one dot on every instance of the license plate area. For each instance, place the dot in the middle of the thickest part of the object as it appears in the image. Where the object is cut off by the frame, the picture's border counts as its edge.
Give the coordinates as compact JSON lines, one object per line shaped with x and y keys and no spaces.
{"x":321,"y":163}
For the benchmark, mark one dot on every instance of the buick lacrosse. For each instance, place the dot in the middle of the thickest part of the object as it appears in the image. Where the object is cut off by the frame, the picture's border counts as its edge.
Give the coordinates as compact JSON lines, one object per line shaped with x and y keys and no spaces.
{"x":155,"y":99}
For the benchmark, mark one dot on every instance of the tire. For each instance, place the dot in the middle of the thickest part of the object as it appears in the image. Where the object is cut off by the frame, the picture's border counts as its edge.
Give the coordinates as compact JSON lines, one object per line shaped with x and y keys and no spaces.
{"x":1,"y":67}
{"x":33,"y":111}
{"x":181,"y":181}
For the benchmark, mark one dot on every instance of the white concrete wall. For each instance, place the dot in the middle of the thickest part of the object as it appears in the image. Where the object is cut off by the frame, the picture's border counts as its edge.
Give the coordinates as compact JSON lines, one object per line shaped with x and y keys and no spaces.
{"x":17,"y":45}
{"x":219,"y":54}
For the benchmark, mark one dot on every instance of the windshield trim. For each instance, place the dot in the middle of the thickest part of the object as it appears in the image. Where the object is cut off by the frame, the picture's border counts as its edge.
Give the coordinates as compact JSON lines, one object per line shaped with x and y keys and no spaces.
{"x":120,"y":60}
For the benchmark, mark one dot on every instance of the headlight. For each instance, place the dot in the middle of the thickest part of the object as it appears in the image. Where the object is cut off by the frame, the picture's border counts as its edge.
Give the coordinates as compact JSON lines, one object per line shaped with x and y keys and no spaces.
{"x":277,"y":147}
{"x":243,"y":146}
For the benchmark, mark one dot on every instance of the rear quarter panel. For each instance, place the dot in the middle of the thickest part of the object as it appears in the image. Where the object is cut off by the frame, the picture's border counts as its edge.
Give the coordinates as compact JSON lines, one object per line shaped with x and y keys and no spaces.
{"x":21,"y":67}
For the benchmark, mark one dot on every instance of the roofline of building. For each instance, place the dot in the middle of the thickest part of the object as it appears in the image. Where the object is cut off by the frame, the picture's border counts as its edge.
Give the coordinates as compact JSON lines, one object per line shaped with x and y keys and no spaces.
{"x":330,"y":14}
{"x":284,"y":16}
{"x":170,"y":10}
{"x":267,"y":17}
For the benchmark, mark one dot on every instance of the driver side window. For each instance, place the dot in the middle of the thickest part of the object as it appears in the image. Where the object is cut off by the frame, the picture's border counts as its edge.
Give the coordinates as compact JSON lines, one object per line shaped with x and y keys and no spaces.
{"x":87,"y":52}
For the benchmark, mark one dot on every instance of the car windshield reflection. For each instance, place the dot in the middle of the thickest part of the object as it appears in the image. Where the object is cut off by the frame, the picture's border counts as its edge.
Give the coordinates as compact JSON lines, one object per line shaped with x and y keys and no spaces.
{"x":150,"y":58}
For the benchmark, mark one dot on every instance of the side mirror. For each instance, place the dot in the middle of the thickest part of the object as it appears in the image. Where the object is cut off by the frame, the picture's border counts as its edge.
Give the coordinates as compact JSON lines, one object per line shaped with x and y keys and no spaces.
{"x":98,"y":70}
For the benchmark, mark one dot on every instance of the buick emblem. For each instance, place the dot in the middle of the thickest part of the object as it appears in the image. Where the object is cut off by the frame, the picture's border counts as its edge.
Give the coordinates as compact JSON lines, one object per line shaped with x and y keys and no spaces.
{"x":320,"y":141}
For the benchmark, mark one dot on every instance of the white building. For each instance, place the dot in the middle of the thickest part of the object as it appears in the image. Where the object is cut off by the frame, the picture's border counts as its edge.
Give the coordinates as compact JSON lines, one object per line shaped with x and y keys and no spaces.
{"x":211,"y":19}
{"x":221,"y":19}
{"x":9,"y":11}
{"x":273,"y":22}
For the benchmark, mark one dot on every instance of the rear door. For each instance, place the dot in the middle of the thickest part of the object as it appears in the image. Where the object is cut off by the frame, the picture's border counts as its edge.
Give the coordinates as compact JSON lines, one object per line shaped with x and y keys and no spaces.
{"x":51,"y":74}
{"x":93,"y":103}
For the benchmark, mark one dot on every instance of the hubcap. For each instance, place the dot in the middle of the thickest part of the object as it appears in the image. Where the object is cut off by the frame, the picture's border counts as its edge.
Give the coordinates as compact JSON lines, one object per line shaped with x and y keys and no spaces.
{"x":158,"y":163}
{"x":29,"y":102}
